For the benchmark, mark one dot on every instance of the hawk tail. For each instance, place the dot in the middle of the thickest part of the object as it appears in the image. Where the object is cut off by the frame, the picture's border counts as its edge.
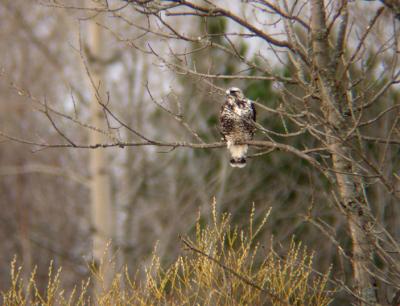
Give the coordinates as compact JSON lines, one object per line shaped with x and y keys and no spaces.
{"x":238,"y":155}
{"x":238,"y":163}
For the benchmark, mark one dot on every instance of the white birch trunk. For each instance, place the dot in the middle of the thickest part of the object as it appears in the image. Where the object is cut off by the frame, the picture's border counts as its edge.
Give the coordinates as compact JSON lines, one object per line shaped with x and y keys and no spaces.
{"x":102,"y":213}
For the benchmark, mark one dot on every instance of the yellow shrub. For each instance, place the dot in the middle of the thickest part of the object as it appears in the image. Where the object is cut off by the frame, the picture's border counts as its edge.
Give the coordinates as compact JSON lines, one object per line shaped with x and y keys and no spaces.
{"x":222,"y":265}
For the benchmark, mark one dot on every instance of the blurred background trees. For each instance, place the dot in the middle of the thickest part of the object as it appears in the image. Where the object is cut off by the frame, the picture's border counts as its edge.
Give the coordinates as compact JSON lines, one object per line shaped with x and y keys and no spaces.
{"x":163,"y":75}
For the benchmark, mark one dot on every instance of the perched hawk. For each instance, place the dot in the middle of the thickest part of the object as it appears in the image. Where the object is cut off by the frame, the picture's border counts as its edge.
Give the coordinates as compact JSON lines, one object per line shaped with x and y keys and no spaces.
{"x":237,"y":119}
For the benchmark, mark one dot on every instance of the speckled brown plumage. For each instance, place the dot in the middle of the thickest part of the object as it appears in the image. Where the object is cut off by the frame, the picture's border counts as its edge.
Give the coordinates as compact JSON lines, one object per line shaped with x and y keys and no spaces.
{"x":237,"y":119}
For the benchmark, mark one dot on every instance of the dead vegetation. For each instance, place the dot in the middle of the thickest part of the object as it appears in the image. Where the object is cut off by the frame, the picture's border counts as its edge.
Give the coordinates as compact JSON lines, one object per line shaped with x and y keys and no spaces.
{"x":220,"y":265}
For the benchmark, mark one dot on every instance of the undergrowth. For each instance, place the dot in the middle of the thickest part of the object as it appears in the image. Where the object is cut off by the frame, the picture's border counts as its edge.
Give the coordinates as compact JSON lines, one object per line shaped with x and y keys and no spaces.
{"x":220,"y":265}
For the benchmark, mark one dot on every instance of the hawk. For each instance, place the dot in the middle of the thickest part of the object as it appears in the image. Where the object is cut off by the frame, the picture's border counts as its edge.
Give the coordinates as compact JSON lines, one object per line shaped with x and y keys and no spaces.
{"x":237,"y":124}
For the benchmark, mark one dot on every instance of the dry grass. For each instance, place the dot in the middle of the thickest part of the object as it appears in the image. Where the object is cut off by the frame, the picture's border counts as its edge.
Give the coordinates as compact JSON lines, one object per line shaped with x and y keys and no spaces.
{"x":222,"y":265}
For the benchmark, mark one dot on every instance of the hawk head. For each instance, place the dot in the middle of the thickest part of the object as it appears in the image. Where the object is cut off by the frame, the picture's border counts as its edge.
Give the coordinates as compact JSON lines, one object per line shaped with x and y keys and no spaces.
{"x":235,"y":92}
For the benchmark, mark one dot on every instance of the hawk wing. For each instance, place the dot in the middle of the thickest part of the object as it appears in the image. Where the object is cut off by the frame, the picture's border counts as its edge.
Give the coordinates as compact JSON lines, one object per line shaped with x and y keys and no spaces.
{"x":254,"y":111}
{"x":254,"y":117}
{"x":226,"y":119}
{"x":249,"y":122}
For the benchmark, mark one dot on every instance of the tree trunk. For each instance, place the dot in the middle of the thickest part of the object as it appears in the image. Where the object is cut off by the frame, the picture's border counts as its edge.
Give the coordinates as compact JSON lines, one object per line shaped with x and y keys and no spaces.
{"x":23,"y":227}
{"x":102,"y":212}
{"x":333,"y":104}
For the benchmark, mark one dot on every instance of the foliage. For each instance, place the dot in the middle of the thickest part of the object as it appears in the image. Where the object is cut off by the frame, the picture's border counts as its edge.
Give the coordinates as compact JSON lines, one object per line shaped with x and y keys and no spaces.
{"x":223,"y":265}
